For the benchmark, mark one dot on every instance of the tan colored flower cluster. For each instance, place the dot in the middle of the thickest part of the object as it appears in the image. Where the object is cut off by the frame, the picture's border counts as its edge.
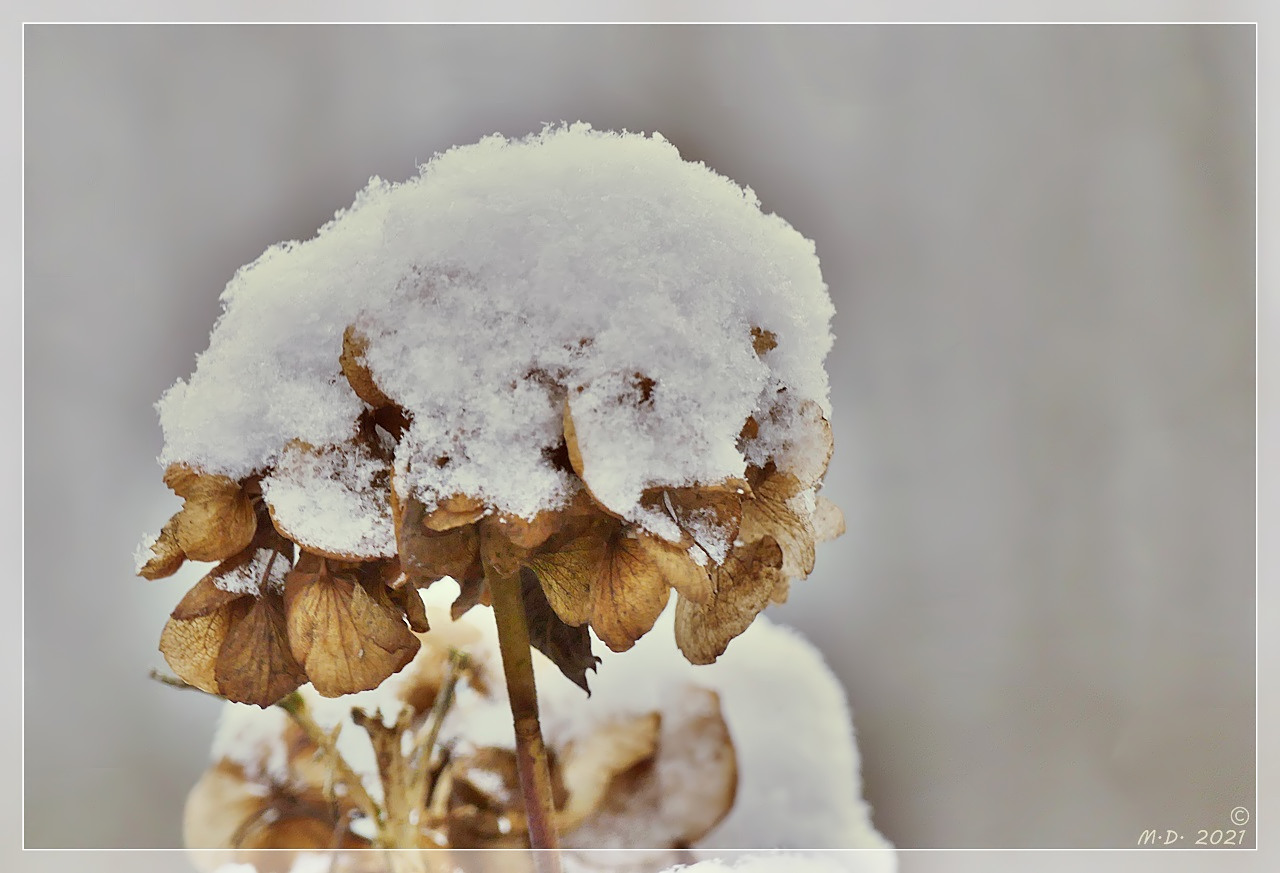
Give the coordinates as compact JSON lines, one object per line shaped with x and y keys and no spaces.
{"x":296,"y":599}
{"x":651,"y":780}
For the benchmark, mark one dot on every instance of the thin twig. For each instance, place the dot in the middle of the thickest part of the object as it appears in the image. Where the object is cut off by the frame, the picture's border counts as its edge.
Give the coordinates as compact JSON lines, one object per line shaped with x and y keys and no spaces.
{"x":175,"y":682}
{"x":327,"y":743}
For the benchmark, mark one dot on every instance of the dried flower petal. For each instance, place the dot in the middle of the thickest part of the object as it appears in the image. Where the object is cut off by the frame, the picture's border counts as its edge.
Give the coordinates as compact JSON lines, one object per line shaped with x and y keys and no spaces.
{"x":166,"y":555}
{"x":191,"y":646}
{"x":588,"y":765}
{"x":769,"y":513}
{"x":217,"y":519}
{"x":427,"y":555}
{"x":454,"y":511}
{"x":628,"y":593}
{"x":354,"y":346}
{"x":255,"y":664}
{"x":743,"y":585}
{"x":676,"y":797}
{"x":346,"y":639}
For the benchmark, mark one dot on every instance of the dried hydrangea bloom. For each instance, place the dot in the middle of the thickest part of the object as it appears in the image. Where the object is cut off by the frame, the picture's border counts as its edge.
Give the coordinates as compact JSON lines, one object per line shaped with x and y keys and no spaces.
{"x":575,"y":360}
{"x":629,"y":778}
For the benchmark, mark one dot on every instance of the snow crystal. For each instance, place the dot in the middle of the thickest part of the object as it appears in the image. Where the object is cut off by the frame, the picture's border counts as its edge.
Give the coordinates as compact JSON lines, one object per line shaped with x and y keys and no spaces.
{"x":247,"y":578}
{"x":326,"y":503}
{"x":508,"y":279}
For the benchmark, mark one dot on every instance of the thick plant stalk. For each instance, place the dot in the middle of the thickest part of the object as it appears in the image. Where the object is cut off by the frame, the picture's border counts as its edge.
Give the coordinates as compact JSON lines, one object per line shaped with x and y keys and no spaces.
{"x":531,"y":752}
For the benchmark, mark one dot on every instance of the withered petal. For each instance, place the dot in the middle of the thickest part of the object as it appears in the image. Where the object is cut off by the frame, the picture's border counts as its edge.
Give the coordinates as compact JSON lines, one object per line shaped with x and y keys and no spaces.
{"x":166,"y":555}
{"x":679,"y":570}
{"x":354,"y":345}
{"x":768,"y":514}
{"x":454,"y":511}
{"x":588,"y":765}
{"x":345,"y":639}
{"x":628,"y":593}
{"x":566,"y":573}
{"x":255,"y":664}
{"x":743,"y":586}
{"x":217,"y":518}
{"x":191,"y":646}
{"x":203,"y":598}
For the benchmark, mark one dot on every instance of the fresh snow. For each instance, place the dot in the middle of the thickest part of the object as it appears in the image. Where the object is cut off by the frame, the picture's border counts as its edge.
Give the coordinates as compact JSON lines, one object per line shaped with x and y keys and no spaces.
{"x":505,"y":279}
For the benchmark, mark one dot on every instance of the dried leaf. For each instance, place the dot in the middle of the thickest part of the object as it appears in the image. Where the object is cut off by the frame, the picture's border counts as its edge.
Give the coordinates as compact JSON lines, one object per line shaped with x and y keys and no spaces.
{"x":568,"y":647}
{"x":359,"y":376}
{"x":217,"y":518}
{"x":255,"y":664}
{"x":346,"y":639}
{"x":769,"y":514}
{"x":743,"y":586}
{"x":166,"y":555}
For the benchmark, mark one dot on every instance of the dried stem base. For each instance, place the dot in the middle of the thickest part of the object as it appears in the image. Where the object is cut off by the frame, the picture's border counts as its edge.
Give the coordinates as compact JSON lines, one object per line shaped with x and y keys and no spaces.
{"x":531,"y":752}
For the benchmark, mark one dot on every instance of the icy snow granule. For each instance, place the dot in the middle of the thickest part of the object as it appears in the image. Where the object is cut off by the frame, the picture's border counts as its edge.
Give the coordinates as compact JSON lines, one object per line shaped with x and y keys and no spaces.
{"x":508,"y":279}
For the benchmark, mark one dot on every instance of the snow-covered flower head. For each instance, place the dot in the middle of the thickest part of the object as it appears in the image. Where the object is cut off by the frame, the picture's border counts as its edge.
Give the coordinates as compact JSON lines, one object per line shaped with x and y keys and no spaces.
{"x":574,"y":358}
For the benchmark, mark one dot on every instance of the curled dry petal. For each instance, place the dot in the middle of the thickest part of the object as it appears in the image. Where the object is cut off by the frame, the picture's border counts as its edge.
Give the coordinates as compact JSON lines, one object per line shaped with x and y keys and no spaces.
{"x":347,"y":638}
{"x":526,"y":533}
{"x":680,"y":793}
{"x":588,"y":765}
{"x":217,"y":519}
{"x":354,"y":346}
{"x":708,"y":516}
{"x":770,"y":513}
{"x":742,"y":587}
{"x":166,"y":555}
{"x":454,"y":511}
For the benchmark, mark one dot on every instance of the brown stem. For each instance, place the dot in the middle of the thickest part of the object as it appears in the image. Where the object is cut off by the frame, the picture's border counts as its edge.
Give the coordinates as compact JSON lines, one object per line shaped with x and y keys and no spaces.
{"x":326,"y":742}
{"x":531,"y":752}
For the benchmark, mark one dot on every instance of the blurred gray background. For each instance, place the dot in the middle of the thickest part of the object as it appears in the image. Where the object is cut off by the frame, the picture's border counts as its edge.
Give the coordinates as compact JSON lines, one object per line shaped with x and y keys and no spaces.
{"x":1039,"y":240}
